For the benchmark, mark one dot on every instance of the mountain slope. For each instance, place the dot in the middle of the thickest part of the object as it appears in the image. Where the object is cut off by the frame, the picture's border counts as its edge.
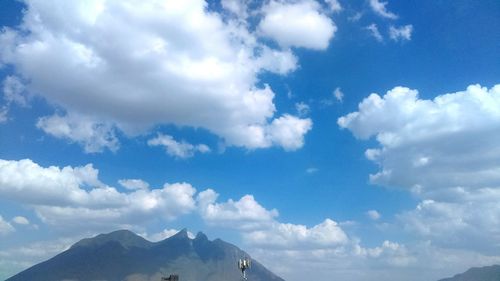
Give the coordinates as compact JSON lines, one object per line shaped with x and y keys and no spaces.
{"x":487,"y":273}
{"x":123,"y":255}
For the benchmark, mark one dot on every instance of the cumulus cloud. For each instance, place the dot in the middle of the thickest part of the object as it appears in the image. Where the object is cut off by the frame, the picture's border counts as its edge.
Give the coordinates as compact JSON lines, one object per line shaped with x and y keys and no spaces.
{"x":297,"y":24}
{"x":443,"y":151}
{"x":373,"y":29}
{"x":293,"y":236}
{"x":183,"y":59}
{"x":340,"y":261}
{"x":246,"y":213}
{"x":458,"y":217}
{"x":288,"y":131}
{"x":379,"y":7}
{"x":133,"y":184}
{"x":402,"y":33}
{"x":93,"y":135}
{"x":427,"y":143}
{"x":178,"y":149}
{"x":66,"y":196}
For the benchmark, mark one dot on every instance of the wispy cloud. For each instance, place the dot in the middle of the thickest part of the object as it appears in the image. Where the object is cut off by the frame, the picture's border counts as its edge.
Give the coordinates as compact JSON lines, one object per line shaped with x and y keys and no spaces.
{"x":178,"y":149}
{"x":402,"y":33}
{"x":379,"y":7}
{"x":375,"y":32}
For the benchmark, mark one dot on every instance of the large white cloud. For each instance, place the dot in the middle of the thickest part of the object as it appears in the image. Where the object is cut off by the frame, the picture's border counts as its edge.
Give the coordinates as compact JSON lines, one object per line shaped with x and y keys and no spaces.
{"x":449,"y":141}
{"x":297,"y":24}
{"x":66,"y":196}
{"x":134,"y":64}
{"x":445,"y":151}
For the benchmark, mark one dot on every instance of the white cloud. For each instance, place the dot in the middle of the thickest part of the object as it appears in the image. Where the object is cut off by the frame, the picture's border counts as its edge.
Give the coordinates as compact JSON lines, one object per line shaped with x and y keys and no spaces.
{"x":459,"y":217}
{"x":277,"y":61}
{"x":375,"y":32}
{"x":338,"y":94}
{"x":5,"y":227}
{"x":302,"y":108}
{"x":445,"y":152}
{"x":134,"y":184}
{"x":237,"y":7}
{"x":426,"y":144}
{"x":373,"y":214}
{"x":334,"y":5}
{"x":65,"y":197}
{"x":21,"y":220}
{"x":178,"y":149}
{"x":298,"y":24}
{"x":342,"y":261}
{"x":288,"y":131}
{"x":293,"y":236}
{"x":379,"y":8}
{"x":183,"y":59}
{"x":91,"y":134}
{"x":245,"y":213}
{"x":13,"y":91}
{"x":401,"y":33}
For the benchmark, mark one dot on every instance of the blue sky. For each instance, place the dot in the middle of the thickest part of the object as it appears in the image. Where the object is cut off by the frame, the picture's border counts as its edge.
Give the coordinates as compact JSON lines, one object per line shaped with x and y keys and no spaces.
{"x":346,"y":140}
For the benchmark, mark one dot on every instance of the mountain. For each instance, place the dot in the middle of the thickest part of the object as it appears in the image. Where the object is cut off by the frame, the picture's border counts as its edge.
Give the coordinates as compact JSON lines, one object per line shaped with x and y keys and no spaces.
{"x":487,"y":273}
{"x":123,"y":255}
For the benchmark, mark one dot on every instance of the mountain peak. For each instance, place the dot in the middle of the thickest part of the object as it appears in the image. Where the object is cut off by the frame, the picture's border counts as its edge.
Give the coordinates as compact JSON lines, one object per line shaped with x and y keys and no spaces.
{"x":125,"y":237}
{"x":182,"y":234}
{"x":201,"y":236}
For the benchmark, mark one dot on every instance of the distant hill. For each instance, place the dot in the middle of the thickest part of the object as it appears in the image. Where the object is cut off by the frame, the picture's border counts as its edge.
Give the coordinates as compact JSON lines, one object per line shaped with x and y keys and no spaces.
{"x":487,"y":273}
{"x":123,"y":255}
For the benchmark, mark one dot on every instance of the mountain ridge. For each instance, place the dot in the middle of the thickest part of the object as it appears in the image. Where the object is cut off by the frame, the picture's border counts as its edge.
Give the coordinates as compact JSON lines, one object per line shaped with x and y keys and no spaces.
{"x":485,"y":273}
{"x":124,"y":255}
